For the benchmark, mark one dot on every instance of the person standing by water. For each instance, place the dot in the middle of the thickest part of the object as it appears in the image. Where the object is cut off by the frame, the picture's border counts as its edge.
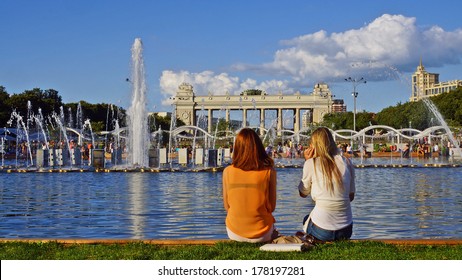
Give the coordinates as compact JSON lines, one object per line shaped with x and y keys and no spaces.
{"x":406,"y":151}
{"x":329,"y":178}
{"x":249,"y":191}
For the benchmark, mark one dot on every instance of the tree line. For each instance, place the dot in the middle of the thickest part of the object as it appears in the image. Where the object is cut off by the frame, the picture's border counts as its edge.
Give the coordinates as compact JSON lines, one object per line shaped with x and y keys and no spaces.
{"x":403,"y":115}
{"x":102,"y":115}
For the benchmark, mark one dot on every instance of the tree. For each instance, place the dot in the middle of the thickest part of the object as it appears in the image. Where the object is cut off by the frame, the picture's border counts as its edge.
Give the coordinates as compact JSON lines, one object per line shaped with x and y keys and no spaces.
{"x":336,"y":120}
{"x":344,"y":120}
{"x":223,"y":127}
{"x":417,"y":115}
{"x":4,"y":107}
{"x":364,"y":119}
{"x":102,"y":115}
{"x":252,"y":92}
{"x":450,"y":106}
{"x":48,"y":101}
{"x":156,"y":122}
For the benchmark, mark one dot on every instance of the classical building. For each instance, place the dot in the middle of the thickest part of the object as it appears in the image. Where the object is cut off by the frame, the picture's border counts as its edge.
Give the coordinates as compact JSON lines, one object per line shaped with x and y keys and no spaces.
{"x":425,"y":84}
{"x":282,"y":111}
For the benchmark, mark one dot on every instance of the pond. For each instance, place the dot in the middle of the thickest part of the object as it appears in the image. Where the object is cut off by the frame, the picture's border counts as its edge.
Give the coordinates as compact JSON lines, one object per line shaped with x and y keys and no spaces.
{"x":390,"y":203}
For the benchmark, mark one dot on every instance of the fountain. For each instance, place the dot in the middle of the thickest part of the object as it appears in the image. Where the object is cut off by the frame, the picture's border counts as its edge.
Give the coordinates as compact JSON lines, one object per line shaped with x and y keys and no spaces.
{"x":21,"y":127}
{"x":79,"y":117}
{"x":427,"y":102}
{"x":39,"y":121}
{"x":138,"y":142}
{"x":456,"y":146}
{"x":86,"y":124}
{"x":63,"y":152}
{"x":202,"y":153}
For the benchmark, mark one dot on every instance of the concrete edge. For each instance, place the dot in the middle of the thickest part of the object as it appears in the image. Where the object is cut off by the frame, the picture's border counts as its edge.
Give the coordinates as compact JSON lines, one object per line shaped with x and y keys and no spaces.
{"x":210,"y":242}
{"x":169,"y":242}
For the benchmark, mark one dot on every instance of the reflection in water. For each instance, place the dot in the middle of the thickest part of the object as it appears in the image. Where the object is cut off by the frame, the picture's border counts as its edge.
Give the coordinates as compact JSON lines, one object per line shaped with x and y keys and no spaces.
{"x":435,"y":201}
{"x":136,"y":188}
{"x":190,"y":205}
{"x":390,"y":203}
{"x":408,"y":203}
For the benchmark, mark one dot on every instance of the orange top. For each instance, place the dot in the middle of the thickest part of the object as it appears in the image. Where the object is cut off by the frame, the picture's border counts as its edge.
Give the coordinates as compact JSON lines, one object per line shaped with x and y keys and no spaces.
{"x":249,"y":197}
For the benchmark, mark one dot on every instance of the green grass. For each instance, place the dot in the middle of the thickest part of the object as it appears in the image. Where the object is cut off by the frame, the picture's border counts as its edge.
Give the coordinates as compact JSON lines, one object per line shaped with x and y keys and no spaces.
{"x":367,"y":250}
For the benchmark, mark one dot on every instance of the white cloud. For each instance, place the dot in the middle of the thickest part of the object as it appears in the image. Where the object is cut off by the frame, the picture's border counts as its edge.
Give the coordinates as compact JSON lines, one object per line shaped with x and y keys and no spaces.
{"x":375,"y":51}
{"x":389,"y":39}
{"x":388,"y":42}
{"x":217,"y":84}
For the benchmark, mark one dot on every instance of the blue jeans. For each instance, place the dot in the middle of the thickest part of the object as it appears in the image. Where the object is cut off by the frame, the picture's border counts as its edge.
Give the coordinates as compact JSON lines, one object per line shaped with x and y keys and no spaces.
{"x":328,"y":235}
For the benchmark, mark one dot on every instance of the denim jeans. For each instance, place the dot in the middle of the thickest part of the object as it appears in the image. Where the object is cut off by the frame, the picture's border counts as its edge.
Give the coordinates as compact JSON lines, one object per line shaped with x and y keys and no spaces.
{"x":328,"y":235}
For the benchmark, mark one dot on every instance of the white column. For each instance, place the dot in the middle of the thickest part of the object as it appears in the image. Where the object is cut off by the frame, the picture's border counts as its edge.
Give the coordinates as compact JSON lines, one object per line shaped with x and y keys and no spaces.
{"x":297,"y":120}
{"x":244,"y":117}
{"x":262,"y":121}
{"x":209,"y":120}
{"x":279,"y":121}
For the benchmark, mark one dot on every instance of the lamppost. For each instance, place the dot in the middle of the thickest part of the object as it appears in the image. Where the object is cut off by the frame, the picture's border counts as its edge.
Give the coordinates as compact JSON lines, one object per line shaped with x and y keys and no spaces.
{"x":355,"y":83}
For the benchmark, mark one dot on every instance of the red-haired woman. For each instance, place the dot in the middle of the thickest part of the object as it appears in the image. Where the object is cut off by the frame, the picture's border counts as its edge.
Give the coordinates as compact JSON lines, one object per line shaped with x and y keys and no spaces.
{"x":249,"y":191}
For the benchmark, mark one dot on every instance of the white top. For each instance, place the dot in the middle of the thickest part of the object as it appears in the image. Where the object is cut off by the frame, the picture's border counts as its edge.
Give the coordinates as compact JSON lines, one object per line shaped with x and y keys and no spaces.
{"x":332,"y":210}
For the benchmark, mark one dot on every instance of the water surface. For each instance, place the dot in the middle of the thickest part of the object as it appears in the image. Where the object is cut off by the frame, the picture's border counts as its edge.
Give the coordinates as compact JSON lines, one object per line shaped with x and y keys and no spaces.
{"x":390,"y":203}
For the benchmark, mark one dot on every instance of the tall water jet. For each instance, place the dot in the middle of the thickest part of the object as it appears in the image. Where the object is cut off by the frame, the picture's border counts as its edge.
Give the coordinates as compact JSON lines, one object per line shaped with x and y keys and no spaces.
{"x":137,"y":117}
{"x":432,"y":107}
{"x":39,"y":121}
{"x":79,"y":117}
{"x":21,"y":125}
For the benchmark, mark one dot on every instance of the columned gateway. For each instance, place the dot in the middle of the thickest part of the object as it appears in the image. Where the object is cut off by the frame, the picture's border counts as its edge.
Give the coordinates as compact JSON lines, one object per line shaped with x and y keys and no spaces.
{"x":279,"y":111}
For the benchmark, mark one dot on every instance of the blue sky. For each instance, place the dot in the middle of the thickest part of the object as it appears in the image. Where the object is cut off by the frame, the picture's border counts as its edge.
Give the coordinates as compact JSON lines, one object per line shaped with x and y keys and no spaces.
{"x":83,"y":48}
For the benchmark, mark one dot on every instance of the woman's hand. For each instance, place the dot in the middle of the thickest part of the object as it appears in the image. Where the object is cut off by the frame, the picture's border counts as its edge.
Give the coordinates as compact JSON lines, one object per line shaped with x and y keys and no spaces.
{"x":310,"y":152}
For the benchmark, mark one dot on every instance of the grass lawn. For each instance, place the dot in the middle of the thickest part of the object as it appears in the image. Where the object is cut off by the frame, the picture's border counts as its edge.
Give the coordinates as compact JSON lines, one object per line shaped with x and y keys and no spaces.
{"x":362,"y":250}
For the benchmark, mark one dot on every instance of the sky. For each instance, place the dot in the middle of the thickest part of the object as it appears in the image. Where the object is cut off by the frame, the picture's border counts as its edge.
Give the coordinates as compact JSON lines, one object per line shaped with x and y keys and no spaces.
{"x":82,"y":48}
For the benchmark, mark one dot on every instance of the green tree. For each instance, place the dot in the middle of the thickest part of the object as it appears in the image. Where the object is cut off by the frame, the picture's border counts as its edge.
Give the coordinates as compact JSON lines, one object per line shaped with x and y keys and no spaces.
{"x":48,"y":101}
{"x":417,"y":115}
{"x":252,"y":92}
{"x":393,"y":116}
{"x":223,"y":127}
{"x":336,"y":120}
{"x":102,"y":116}
{"x":5,"y":110}
{"x":450,"y":106}
{"x":364,"y":119}
{"x":344,"y":120}
{"x":162,"y":122}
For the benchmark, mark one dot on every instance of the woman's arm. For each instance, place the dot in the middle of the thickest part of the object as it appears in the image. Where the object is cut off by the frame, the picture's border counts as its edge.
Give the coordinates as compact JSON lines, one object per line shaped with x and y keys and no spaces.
{"x":272,"y":189}
{"x":304,"y":187}
{"x":351,"y":168}
{"x":225,"y":193}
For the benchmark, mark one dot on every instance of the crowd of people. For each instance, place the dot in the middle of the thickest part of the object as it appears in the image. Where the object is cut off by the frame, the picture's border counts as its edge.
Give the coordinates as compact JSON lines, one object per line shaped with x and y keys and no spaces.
{"x":288,"y":149}
{"x":22,"y":149}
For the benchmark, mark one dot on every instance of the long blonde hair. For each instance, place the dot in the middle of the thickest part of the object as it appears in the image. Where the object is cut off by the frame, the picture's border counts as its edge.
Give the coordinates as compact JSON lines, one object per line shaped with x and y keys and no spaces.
{"x":325,"y":150}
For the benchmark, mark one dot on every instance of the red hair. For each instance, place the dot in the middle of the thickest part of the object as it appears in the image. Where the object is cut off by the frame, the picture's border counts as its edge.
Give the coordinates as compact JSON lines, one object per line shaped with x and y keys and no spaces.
{"x":249,"y":153}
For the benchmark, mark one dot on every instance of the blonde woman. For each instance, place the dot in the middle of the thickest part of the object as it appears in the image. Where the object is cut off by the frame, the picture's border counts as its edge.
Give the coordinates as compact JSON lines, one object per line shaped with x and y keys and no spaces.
{"x":330,"y":180}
